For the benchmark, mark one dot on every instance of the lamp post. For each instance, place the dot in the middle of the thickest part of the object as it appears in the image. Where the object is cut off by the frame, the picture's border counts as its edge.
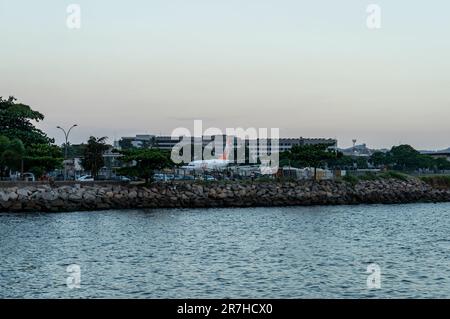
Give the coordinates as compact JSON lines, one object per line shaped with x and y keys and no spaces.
{"x":66,"y":135}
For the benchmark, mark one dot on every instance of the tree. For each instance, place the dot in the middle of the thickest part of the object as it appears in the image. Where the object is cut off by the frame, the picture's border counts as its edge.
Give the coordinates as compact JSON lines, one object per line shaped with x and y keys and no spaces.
{"x":442,"y":164}
{"x":16,"y":122}
{"x":41,"y":158}
{"x":315,"y":156}
{"x":11,"y":155}
{"x":341,"y":161}
{"x":74,"y":150}
{"x":361,"y":162}
{"x":143,"y":162}
{"x":405,"y":158}
{"x":379,"y":159}
{"x":93,"y":155}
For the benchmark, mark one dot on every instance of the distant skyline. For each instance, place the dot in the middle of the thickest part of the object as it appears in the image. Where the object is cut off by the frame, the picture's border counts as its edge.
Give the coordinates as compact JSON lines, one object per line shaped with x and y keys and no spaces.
{"x":313,"y":69}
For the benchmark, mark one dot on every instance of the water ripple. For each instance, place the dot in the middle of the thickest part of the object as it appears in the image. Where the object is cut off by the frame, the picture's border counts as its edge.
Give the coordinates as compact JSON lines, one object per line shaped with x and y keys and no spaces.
{"x":291,"y":252}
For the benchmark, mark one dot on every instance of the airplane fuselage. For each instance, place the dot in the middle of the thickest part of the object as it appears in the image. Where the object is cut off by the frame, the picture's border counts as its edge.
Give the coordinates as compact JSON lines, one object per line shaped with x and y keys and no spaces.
{"x":207,"y":164}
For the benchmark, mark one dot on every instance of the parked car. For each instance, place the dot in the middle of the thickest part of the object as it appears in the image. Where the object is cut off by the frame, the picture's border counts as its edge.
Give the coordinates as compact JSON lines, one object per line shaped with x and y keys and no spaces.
{"x":85,"y":178}
{"x":123,"y":178}
{"x":183,"y":177}
{"x":160,"y":177}
{"x":170,"y":177}
{"x":209,"y":178}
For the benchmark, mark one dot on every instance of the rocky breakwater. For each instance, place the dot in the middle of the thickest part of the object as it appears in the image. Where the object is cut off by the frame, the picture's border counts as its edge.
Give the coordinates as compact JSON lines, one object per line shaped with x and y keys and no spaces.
{"x":45,"y":198}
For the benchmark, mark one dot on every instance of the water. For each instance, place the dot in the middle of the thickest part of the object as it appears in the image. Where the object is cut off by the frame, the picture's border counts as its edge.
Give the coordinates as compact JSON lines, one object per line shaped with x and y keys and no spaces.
{"x":286,"y":252}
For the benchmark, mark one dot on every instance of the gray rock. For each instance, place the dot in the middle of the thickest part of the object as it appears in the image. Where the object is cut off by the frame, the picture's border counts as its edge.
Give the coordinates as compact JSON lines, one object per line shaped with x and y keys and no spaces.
{"x":13,"y":196}
{"x":132,"y":194}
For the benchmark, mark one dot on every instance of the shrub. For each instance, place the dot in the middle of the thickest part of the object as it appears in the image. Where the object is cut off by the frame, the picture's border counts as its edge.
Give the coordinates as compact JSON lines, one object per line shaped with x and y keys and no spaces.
{"x":395,"y":175}
{"x":350,"y":179}
{"x":369,"y":176}
{"x":440,"y":181}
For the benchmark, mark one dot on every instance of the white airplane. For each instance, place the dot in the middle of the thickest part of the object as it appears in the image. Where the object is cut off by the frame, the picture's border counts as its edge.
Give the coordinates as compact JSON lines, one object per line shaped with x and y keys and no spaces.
{"x":213,"y":164}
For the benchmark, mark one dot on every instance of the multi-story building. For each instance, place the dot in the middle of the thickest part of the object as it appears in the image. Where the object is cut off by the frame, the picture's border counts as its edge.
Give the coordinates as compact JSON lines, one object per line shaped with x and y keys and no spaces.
{"x":255,"y":147}
{"x":438,"y":154}
{"x":357,"y":151}
{"x":139,"y":141}
{"x":267,"y":146}
{"x":163,"y":142}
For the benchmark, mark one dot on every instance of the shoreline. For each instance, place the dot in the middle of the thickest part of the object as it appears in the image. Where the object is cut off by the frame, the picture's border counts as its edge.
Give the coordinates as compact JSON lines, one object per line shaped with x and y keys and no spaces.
{"x":105,"y":196}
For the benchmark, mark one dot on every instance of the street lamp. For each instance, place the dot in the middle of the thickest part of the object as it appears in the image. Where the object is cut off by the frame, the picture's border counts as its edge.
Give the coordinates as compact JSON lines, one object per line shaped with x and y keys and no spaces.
{"x":66,"y":135}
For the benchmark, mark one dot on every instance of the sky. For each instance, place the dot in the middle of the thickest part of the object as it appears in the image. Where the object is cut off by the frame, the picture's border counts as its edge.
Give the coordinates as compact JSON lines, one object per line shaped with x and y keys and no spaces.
{"x":310,"y":68}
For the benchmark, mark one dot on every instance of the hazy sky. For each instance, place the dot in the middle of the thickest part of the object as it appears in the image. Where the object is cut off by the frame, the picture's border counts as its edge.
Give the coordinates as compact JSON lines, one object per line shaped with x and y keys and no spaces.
{"x":311,"y":68}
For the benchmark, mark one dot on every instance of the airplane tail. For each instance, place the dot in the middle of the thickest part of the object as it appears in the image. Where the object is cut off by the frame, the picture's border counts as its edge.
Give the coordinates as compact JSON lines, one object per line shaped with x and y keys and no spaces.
{"x":228,"y":148}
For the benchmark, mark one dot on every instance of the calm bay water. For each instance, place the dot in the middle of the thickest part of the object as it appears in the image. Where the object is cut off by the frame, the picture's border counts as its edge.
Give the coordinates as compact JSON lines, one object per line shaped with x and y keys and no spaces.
{"x":286,"y":252}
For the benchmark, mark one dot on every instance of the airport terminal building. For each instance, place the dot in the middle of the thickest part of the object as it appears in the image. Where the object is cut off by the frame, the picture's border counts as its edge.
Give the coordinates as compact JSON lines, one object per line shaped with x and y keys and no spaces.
{"x":255,"y":147}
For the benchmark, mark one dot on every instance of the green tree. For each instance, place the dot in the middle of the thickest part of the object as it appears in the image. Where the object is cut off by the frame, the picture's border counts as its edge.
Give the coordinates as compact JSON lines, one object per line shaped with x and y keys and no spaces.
{"x":11,"y":155}
{"x":143,"y":162}
{"x":442,"y":164}
{"x":315,"y":155}
{"x":379,"y":159}
{"x":341,"y":161}
{"x":42,"y":158}
{"x":405,"y":157}
{"x":361,"y":162}
{"x":74,"y":150}
{"x":16,"y":122}
{"x":93,"y":155}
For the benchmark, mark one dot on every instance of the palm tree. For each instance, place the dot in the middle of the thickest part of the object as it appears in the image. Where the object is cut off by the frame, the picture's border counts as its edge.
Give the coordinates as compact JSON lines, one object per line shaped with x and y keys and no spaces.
{"x":93,"y":155}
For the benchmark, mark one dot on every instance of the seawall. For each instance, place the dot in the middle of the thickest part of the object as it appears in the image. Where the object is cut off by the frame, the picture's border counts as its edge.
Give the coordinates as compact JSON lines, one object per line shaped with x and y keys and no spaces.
{"x":77,"y":197}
